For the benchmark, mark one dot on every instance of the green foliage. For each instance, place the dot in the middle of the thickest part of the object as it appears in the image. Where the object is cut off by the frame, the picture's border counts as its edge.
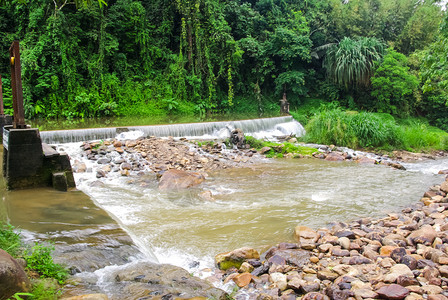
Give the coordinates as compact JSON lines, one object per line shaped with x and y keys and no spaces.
{"x":350,"y":63}
{"x":279,"y":149}
{"x":10,"y":240}
{"x":361,"y":130}
{"x":41,"y":261}
{"x":393,"y":86}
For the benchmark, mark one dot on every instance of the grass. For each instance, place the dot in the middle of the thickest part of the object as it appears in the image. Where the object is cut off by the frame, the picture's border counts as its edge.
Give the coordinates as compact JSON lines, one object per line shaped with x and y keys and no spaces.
{"x":38,"y":259}
{"x":373,"y":130}
{"x":10,"y":240}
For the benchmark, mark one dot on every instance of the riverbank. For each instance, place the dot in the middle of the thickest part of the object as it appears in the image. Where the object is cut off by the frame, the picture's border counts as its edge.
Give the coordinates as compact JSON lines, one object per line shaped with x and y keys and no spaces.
{"x":401,"y":256}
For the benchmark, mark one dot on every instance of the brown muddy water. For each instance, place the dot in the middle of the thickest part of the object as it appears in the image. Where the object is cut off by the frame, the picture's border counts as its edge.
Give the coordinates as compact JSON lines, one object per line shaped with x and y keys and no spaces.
{"x":255,"y":206}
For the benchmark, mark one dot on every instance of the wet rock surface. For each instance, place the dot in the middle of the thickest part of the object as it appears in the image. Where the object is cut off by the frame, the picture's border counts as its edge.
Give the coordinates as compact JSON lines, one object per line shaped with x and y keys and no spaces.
{"x":401,"y":256}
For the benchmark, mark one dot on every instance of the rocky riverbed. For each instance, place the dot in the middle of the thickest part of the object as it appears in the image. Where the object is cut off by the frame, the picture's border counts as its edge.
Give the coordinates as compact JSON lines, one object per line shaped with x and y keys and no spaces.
{"x":401,"y":256}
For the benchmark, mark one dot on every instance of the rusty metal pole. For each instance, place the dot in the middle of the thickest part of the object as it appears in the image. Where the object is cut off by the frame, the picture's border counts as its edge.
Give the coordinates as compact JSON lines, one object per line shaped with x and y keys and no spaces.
{"x":2,"y":112}
{"x":16,"y":85}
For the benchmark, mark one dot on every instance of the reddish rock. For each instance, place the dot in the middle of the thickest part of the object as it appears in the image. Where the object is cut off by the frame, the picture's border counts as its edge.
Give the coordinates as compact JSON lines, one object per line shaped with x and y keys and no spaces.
{"x":315,"y":296}
{"x":334,"y":156}
{"x":243,"y":279}
{"x":13,"y":278}
{"x":393,"y":291}
{"x":178,"y":179}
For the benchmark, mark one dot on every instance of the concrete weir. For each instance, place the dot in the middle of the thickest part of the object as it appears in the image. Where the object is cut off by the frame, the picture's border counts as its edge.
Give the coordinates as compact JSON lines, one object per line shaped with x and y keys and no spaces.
{"x":28,"y":163}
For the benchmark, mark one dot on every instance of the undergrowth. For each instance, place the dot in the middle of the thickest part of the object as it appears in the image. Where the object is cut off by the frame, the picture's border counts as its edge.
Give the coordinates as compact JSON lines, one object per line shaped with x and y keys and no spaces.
{"x":373,"y":130}
{"x":279,"y":149}
{"x":38,"y":259}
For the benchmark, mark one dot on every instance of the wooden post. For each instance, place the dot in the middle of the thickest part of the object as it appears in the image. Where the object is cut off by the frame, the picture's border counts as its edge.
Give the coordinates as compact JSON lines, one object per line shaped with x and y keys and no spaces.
{"x":2,"y":112}
{"x":16,"y":86}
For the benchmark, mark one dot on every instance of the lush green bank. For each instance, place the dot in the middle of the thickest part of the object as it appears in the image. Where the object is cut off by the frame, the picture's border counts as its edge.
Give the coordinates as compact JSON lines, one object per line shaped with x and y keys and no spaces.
{"x":38,"y":262}
{"x":333,"y":125}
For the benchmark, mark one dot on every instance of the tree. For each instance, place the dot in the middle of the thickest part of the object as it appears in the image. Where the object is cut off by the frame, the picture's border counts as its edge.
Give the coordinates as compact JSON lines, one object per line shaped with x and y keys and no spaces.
{"x":434,"y":78}
{"x":350,"y":63}
{"x":393,"y":86}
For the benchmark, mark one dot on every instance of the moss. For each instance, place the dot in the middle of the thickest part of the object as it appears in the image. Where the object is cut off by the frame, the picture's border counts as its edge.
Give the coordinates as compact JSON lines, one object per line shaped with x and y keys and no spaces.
{"x":280,"y":149}
{"x":227,"y":264}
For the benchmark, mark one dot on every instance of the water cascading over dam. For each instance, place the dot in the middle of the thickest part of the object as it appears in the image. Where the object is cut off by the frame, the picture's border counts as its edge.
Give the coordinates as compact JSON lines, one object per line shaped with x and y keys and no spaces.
{"x":277,"y":126}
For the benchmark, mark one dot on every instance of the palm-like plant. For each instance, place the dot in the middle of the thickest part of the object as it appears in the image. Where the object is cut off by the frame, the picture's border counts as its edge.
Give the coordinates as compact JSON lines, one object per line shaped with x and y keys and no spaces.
{"x":350,"y":63}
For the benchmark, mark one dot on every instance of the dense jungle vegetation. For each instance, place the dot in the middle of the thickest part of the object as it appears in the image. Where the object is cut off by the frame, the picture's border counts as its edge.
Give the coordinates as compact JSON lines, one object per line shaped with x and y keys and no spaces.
{"x":201,"y":57}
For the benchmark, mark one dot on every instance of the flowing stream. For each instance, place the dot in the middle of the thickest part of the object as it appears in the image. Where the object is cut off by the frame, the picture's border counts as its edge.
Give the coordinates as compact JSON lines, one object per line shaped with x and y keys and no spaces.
{"x":255,"y":206}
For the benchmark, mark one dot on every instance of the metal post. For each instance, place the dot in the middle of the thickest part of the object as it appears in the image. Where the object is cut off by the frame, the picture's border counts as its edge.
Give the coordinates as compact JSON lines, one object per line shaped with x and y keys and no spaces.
{"x":2,"y":112}
{"x":16,"y":85}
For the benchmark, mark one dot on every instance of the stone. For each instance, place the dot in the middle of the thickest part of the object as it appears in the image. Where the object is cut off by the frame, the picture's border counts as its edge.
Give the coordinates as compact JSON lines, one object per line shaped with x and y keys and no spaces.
{"x":444,"y":186}
{"x":365,"y":293}
{"x":393,"y":291}
{"x":279,"y":280}
{"x":246,"y":268}
{"x":425,"y":235}
{"x":327,"y":274}
{"x":344,"y":242}
{"x":431,"y":289}
{"x":396,"y":271}
{"x":432,"y":275}
{"x":304,"y":233}
{"x":242,"y":280}
{"x":397,"y":254}
{"x":237,"y":138}
{"x":335,"y":156}
{"x":13,"y":278}
{"x":59,"y":181}
{"x":405,"y":280}
{"x":235,"y":258}
{"x":366,"y":161}
{"x":409,"y":261}
{"x":437,"y":297}
{"x":206,"y":196}
{"x":265,"y":150}
{"x":315,"y":296}
{"x":294,"y":257}
{"x":177,"y":179}
{"x":387,"y":250}
{"x":345,"y":233}
{"x":88,"y":297}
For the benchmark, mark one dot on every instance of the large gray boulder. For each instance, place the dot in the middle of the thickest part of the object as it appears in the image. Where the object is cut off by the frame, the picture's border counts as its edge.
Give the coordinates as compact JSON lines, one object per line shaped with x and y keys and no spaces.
{"x":147,"y":279}
{"x":13,"y":278}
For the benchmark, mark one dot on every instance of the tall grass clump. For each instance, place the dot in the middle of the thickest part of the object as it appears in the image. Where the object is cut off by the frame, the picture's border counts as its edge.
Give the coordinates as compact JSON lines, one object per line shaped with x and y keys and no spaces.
{"x":418,"y":135}
{"x":10,"y":240}
{"x":350,"y":129}
{"x":373,"y":130}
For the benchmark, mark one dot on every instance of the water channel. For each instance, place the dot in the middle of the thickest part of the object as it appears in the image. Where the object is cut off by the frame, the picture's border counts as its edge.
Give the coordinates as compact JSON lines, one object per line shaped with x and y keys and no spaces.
{"x":254,"y":206}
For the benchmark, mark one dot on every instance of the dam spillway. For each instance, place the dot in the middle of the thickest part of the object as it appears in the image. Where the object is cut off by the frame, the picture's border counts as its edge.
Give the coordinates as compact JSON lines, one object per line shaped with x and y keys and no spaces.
{"x":281,"y":125}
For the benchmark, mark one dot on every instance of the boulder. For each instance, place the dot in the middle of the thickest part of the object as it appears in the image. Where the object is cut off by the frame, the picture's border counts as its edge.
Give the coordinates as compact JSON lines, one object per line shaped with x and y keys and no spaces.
{"x":13,"y":278}
{"x":425,"y":235}
{"x":237,"y":138}
{"x":335,"y":156}
{"x":137,"y":281}
{"x":393,"y":291}
{"x":235,"y":258}
{"x":178,"y":179}
{"x":305,"y":234}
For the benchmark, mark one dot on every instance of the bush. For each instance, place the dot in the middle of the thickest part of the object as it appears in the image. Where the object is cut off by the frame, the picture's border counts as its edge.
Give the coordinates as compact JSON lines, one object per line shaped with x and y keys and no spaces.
{"x":41,"y":261}
{"x":10,"y":240}
{"x":364,"y":129}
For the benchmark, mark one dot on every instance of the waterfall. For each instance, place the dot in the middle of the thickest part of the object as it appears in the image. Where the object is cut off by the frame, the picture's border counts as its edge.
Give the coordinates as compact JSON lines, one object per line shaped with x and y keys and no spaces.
{"x":269,"y":126}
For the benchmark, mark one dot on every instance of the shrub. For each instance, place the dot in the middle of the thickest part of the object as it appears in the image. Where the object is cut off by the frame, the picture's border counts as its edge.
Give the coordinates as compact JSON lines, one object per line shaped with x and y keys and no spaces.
{"x":41,"y":261}
{"x":10,"y":240}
